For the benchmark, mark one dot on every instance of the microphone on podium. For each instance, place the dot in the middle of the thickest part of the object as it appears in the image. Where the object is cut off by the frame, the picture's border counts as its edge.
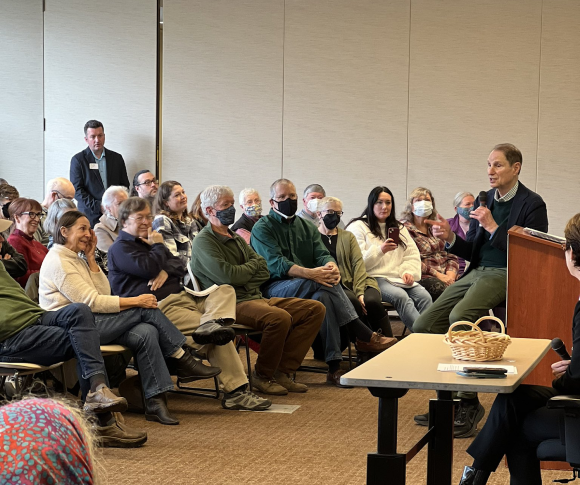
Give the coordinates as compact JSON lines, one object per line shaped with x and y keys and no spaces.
{"x":560,"y":348}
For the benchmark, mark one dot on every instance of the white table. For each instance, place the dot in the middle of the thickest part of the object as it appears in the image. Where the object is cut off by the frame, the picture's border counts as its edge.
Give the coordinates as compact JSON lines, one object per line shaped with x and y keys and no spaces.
{"x":412,"y":364}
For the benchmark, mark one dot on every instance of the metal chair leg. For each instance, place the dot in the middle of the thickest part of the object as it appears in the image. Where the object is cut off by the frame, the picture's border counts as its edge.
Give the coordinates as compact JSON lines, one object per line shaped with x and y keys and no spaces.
{"x":248,"y":361}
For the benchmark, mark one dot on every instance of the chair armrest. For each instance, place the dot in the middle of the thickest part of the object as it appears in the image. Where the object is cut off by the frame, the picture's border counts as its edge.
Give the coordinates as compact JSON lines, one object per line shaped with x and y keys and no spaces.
{"x":570,"y":403}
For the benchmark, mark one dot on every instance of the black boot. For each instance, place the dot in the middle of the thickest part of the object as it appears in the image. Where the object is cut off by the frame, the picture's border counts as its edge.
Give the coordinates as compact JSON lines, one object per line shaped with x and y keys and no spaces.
{"x":473,"y":476}
{"x":156,"y":410}
{"x":188,"y":368}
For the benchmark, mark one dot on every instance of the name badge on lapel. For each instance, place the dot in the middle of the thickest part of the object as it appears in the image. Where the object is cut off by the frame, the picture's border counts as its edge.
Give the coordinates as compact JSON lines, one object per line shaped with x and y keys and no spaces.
{"x":94,"y":166}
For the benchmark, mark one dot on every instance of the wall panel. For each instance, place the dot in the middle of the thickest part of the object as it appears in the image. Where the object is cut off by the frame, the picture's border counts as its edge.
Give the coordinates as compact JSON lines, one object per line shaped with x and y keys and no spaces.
{"x":474,"y":82}
{"x":345,"y":97}
{"x":21,"y":110}
{"x":559,"y":124}
{"x":222,"y":93}
{"x":100,"y":63}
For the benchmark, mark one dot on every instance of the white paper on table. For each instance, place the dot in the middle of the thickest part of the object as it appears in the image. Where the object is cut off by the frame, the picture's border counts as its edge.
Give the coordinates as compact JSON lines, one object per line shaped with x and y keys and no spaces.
{"x":511,"y":369}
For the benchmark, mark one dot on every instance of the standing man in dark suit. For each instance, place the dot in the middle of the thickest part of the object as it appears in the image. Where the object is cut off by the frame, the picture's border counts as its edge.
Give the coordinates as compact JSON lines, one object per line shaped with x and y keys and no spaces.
{"x":483,"y":285}
{"x":94,"y":170}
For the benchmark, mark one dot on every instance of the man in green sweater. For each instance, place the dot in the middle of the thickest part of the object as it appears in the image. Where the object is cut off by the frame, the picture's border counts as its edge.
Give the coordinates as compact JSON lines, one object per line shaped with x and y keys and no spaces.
{"x":30,"y":334}
{"x":288,"y":325}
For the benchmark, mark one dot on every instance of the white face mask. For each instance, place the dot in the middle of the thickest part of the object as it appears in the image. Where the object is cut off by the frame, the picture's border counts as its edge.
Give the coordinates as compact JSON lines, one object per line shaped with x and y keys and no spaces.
{"x":312,"y":205}
{"x":423,"y":208}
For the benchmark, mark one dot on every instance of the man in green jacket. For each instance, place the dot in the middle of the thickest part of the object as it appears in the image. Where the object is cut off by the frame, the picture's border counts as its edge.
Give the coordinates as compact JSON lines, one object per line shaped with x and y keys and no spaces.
{"x":30,"y":334}
{"x":288,"y":325}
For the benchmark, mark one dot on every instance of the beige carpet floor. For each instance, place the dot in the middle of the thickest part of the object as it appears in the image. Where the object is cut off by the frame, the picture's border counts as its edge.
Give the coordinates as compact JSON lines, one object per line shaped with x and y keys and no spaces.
{"x":324,"y":442}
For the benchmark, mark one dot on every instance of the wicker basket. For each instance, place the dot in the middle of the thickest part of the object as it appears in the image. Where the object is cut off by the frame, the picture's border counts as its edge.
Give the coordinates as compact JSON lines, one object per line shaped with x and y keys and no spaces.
{"x":477,"y":345}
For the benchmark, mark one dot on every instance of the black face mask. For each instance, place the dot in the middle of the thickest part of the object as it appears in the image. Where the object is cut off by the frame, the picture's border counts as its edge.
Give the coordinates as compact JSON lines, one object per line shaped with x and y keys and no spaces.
{"x":227,"y":216}
{"x":331,"y":220}
{"x":5,"y":210}
{"x":288,"y":207}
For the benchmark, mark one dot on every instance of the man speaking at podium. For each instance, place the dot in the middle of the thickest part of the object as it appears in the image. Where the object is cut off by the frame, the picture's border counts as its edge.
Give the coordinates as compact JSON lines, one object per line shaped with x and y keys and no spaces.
{"x":483,"y":285}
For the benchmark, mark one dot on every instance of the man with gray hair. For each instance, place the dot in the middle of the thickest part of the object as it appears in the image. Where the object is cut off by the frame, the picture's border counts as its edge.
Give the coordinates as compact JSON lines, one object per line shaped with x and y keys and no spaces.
{"x":56,"y":188}
{"x":289,"y":325}
{"x":300,"y":266}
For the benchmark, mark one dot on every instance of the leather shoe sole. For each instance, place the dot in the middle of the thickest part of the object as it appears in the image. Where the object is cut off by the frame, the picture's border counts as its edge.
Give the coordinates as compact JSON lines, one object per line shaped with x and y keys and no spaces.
{"x":219,"y":336}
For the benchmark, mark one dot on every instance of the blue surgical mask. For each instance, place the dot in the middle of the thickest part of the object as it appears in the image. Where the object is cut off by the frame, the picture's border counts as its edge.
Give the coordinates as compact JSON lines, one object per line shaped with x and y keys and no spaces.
{"x":464,"y":212}
{"x":227,"y":216}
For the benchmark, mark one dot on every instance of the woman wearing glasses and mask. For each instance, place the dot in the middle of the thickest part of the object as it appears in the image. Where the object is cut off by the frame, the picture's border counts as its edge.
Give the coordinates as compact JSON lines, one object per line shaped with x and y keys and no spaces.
{"x":362,"y":290}
{"x":26,"y":214}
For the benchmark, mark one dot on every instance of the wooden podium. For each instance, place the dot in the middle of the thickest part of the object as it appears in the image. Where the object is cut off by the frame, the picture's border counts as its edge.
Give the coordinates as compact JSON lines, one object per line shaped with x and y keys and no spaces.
{"x":541,"y":295}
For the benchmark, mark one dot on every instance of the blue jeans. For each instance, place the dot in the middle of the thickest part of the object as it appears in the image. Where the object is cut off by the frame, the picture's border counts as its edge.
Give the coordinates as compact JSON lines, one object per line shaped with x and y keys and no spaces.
{"x":339,"y":309}
{"x":150,"y":336}
{"x":409,"y":302}
{"x":56,"y":337}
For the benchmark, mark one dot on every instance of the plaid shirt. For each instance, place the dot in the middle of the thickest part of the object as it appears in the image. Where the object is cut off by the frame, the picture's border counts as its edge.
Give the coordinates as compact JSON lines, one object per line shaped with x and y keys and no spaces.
{"x":434,"y":258}
{"x":177,"y":235}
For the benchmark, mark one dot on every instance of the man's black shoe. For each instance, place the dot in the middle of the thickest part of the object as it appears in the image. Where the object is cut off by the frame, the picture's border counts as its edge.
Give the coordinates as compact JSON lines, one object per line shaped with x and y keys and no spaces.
{"x":467,"y":417}
{"x":188,"y":369}
{"x":213,"y":332}
{"x":472,"y":476}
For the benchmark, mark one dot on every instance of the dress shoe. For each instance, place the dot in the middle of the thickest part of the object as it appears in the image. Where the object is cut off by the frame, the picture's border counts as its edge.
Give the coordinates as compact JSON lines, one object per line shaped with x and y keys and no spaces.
{"x":334,"y":379}
{"x":118,"y":435}
{"x":288,"y":381}
{"x":267,"y":386}
{"x":377,"y":344}
{"x":188,"y":368}
{"x":103,"y":400}
{"x":156,"y":410}
{"x":472,"y":476}
{"x":213,"y":332}
{"x":131,"y":390}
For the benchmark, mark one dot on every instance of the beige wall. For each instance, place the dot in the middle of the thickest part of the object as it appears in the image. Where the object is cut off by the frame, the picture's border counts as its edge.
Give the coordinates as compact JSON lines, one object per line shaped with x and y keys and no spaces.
{"x":356,"y":94}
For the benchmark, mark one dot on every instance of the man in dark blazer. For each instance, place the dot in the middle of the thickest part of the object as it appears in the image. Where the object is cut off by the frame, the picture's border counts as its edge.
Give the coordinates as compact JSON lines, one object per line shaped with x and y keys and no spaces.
{"x":94,"y":170}
{"x":483,"y":285}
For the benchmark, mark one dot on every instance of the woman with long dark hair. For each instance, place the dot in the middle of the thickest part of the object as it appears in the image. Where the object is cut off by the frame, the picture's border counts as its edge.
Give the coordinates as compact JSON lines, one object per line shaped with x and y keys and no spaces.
{"x":390,"y":255}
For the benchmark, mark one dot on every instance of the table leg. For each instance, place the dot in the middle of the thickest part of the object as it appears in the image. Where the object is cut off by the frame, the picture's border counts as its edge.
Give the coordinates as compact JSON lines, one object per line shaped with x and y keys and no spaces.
{"x":440,"y":450}
{"x":387,"y":466}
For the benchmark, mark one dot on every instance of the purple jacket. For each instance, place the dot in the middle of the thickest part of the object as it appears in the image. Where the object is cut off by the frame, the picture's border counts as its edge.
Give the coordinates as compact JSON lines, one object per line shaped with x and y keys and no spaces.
{"x":456,"y":228}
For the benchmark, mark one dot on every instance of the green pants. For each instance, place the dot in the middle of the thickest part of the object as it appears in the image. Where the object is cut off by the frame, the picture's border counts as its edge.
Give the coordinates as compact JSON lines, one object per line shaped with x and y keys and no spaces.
{"x":468,"y":299}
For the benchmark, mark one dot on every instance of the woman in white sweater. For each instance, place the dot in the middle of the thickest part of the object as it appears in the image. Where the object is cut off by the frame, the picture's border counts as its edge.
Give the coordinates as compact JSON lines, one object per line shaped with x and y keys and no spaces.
{"x":136,"y":323}
{"x":391,"y":256}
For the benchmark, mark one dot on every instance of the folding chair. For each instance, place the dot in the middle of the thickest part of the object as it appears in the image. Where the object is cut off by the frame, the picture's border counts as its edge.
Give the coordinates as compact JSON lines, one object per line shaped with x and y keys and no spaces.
{"x":27,"y":370}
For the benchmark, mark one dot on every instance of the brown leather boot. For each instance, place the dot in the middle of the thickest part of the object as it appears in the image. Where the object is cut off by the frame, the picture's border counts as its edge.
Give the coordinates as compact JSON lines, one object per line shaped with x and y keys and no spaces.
{"x":377,"y":344}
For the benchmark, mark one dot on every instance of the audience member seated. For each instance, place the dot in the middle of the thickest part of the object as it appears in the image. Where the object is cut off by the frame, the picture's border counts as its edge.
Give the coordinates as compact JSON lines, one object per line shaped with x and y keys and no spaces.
{"x":30,"y":334}
{"x":362,"y":290}
{"x":26,"y":214}
{"x":300,"y":266}
{"x":312,"y":194}
{"x":251,"y":205}
{"x":172,"y":221}
{"x":136,"y":322}
{"x":11,"y":259}
{"x":7,"y":194}
{"x":438,"y":267}
{"x":56,"y":189}
{"x":140,"y":263}
{"x":288,"y":325}
{"x":107,"y":229}
{"x":520,"y":421}
{"x":395,"y":265}
{"x":197,"y":214}
{"x":463,"y":204}
{"x":94,"y":170}
{"x":145,"y":186}
{"x":45,"y":441}
{"x":483,"y":286}
{"x":55,"y":212}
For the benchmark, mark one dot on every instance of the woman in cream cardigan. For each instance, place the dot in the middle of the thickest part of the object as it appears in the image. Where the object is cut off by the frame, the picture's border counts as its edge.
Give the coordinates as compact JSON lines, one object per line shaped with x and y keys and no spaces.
{"x":136,"y":323}
{"x":396,"y":266}
{"x":362,"y":290}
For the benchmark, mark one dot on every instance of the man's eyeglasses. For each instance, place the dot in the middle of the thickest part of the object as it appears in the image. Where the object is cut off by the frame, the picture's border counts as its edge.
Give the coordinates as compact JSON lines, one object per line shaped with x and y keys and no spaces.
{"x":338,"y":213}
{"x":62,"y":196}
{"x":32,"y":215}
{"x":148,"y":183}
{"x":140,"y":219}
